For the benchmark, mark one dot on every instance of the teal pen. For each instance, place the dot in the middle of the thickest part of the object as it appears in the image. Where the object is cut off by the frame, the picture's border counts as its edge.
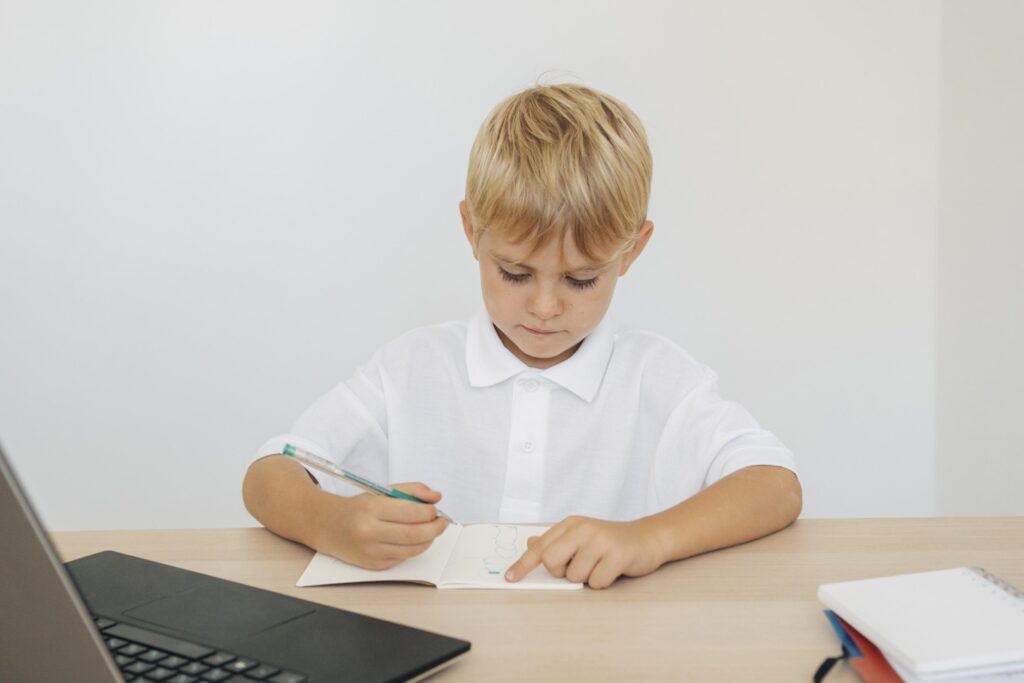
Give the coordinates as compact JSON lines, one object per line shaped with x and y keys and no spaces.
{"x":318,"y":463}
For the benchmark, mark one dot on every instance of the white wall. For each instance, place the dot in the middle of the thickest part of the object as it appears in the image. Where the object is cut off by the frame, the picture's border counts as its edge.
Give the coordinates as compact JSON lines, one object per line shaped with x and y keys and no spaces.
{"x":211,"y":212}
{"x":981,"y":260}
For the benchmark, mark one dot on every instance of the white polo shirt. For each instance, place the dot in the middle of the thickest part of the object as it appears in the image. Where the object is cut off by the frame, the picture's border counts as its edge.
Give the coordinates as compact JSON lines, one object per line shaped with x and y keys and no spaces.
{"x":628,"y":426}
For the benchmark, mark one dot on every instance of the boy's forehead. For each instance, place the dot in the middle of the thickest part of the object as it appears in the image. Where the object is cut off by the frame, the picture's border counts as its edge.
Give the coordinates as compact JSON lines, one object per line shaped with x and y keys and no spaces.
{"x":522,"y":253}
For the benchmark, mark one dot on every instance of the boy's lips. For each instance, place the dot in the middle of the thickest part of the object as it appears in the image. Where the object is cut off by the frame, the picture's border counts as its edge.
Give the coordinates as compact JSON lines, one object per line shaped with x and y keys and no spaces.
{"x":535,"y":331}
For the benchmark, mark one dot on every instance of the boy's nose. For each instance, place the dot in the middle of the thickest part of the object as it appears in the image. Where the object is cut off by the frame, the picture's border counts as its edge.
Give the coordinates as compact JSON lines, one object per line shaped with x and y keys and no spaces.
{"x":544,"y":303}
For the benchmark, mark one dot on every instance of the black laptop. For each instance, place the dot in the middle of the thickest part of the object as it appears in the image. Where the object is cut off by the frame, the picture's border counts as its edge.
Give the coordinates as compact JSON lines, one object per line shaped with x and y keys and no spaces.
{"x":112,"y":617}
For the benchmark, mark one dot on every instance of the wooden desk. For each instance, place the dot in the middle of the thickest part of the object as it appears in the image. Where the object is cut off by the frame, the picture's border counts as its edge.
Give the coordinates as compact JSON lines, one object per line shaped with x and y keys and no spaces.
{"x":747,"y":613}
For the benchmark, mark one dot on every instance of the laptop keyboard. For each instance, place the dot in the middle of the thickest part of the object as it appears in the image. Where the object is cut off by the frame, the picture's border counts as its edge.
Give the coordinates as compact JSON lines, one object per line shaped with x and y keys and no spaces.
{"x":143,"y":655}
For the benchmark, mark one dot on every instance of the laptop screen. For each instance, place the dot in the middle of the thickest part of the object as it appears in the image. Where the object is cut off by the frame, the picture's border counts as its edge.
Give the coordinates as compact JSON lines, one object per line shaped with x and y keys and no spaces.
{"x":45,"y":631}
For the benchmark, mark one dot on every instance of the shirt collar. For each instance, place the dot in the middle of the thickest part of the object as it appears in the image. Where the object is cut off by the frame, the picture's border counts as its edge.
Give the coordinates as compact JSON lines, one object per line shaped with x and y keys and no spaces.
{"x":488,"y":362}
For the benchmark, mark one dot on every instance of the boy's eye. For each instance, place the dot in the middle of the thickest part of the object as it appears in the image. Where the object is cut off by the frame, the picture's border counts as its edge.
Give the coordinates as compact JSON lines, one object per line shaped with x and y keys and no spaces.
{"x":581,"y":284}
{"x":519,"y":278}
{"x":515,"y":278}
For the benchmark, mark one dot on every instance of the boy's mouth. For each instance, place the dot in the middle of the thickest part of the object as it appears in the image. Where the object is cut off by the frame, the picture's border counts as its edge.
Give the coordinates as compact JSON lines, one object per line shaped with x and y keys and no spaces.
{"x":541,"y":332}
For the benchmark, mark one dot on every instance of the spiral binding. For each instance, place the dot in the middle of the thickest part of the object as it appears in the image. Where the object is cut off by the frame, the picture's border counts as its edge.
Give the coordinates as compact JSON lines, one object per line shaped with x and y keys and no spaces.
{"x":1010,"y":589}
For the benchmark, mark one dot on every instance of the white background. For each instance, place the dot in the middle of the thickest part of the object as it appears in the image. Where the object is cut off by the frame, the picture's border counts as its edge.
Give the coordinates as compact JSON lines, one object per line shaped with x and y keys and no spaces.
{"x":211,"y":212}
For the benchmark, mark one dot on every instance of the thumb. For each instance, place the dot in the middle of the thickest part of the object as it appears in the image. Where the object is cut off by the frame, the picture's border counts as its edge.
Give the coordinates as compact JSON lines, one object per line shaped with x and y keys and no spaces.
{"x":420,"y":490}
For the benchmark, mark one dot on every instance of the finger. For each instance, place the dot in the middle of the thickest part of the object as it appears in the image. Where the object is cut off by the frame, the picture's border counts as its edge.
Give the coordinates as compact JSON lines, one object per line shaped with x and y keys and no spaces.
{"x":559,"y":553}
{"x":397,"y":533}
{"x":526,"y":563}
{"x":405,"y":511}
{"x":604,"y":574}
{"x":582,"y":564}
{"x":531,"y":557}
{"x":420,"y":490}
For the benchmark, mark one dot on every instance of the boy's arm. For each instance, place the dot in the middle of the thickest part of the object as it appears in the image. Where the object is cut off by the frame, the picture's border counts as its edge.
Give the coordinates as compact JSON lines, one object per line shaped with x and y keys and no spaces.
{"x":369,"y":531}
{"x":283,"y":497}
{"x":749,"y":503}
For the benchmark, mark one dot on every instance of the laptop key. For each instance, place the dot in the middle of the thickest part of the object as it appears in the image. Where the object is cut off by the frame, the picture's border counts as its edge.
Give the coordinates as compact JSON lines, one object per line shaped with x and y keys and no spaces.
{"x":181,"y":678}
{"x":159,"y":674}
{"x":215,"y":675}
{"x":240,"y":665}
{"x":122,"y":660}
{"x":114,"y":643}
{"x":182,"y":648}
{"x":193,"y":668}
{"x":287,"y":677}
{"x":173,"y":662}
{"x":219,"y":659}
{"x":152,"y":656}
{"x":138,"y":667}
{"x":261,"y":672}
{"x":131,"y":649}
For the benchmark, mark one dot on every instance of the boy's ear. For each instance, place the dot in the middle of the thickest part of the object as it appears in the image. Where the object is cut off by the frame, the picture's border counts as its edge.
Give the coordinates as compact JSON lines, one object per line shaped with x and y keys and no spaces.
{"x":467,"y":227}
{"x":643,"y":235}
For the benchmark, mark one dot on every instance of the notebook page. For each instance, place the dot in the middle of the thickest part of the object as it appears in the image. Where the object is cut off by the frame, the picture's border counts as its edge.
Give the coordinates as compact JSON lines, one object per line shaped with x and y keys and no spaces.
{"x":324,"y":569}
{"x":934,"y":622}
{"x":991,"y":677}
{"x":483,"y":553}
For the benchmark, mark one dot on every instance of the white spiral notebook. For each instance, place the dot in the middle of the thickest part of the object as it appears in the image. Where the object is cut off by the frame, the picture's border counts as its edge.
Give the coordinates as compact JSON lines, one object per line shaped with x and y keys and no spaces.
{"x":937,"y":625}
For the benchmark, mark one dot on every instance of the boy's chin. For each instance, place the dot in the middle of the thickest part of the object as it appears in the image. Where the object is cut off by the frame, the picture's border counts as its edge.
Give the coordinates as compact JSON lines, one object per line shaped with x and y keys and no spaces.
{"x":537,"y":352}
{"x":536,"y":355}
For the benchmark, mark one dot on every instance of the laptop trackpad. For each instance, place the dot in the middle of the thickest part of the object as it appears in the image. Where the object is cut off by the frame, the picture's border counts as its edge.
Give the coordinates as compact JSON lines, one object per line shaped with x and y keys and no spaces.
{"x":221,"y":612}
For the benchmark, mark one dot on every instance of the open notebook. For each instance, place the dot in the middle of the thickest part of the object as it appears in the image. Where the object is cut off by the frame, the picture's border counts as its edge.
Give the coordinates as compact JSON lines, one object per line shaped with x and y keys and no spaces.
{"x":471,"y":556}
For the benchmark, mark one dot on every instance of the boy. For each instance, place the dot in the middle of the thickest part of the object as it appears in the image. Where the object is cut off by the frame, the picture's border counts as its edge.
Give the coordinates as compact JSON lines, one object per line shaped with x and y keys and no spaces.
{"x":537,"y":411}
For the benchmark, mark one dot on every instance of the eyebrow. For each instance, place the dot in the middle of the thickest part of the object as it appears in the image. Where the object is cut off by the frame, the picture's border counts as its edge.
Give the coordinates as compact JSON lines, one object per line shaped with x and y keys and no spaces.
{"x":582,"y":269}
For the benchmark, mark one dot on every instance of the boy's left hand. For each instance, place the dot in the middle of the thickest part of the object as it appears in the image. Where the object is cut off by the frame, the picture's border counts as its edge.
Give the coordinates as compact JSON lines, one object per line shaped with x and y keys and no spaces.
{"x":591,"y":551}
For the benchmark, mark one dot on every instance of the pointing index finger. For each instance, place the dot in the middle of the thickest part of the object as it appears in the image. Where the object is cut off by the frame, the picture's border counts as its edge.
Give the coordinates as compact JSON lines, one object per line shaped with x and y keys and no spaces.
{"x":527,"y":562}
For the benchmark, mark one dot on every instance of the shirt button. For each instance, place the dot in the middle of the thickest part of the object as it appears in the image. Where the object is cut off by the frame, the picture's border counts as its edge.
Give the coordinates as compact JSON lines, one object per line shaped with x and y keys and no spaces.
{"x":527,"y":446}
{"x":531,"y":385}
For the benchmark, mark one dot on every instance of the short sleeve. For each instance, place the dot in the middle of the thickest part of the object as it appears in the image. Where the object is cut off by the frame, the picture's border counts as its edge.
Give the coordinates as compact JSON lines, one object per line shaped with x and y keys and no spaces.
{"x":707,"y":438}
{"x":347,"y":425}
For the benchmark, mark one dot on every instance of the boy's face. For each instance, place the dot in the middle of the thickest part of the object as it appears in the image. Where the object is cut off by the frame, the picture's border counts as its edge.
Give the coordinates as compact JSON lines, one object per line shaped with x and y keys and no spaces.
{"x":545,"y":303}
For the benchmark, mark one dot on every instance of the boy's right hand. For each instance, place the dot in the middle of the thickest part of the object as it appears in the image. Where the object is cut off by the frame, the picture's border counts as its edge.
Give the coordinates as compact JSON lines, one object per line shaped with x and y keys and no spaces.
{"x":377,"y":532}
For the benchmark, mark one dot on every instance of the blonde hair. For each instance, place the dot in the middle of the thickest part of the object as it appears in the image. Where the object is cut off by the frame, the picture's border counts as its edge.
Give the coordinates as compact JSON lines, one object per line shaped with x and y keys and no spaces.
{"x":561,"y":158}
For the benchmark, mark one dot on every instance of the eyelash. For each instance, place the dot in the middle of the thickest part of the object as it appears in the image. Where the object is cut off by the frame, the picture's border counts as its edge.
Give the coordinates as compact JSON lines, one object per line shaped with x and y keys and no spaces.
{"x":520,"y":278}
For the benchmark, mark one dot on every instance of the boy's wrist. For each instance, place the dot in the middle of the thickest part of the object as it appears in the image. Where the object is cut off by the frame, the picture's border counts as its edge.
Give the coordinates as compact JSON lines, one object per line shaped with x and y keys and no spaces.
{"x":320,"y":507}
{"x":659,"y":537}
